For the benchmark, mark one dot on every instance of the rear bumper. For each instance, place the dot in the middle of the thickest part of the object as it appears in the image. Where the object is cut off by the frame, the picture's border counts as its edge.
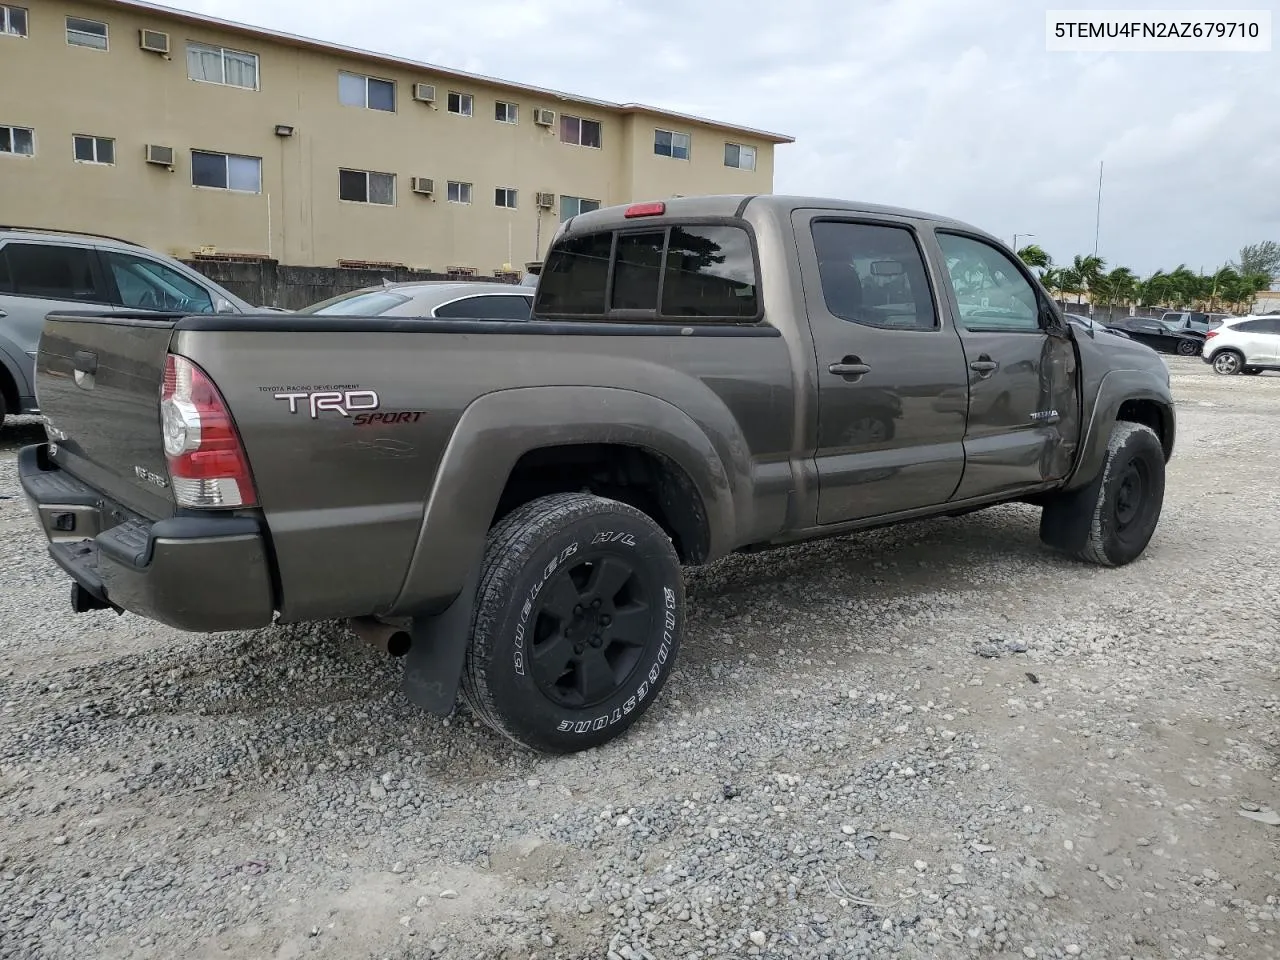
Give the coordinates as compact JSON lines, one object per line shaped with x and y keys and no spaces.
{"x":202,"y":574}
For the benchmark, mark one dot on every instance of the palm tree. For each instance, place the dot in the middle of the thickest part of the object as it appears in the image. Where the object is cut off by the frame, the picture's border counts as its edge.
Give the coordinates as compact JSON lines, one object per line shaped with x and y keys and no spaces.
{"x":1089,"y":269}
{"x":1034,"y":255}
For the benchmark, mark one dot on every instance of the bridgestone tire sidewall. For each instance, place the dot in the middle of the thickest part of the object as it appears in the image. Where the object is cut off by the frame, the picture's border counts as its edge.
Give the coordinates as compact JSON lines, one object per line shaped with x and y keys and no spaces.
{"x":523,"y":712}
{"x":1129,"y":442}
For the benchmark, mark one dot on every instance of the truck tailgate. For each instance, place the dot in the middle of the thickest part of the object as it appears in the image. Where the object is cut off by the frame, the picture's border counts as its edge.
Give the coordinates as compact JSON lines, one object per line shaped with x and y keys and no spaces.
{"x":98,"y":379}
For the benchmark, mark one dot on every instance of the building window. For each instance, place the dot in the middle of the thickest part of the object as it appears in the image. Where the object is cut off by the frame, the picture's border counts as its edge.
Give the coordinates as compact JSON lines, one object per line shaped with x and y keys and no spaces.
{"x":505,"y":112}
{"x":226,"y":171}
{"x":86,"y":33}
{"x":357,"y":90}
{"x":736,"y":155}
{"x":579,"y":132}
{"x":94,"y":149}
{"x":505,"y":197}
{"x":459,"y":192}
{"x":668,"y":143}
{"x":19,"y":140}
{"x":572,"y":206}
{"x":13,"y":21}
{"x":461,"y":103}
{"x":364,"y":186}
{"x":231,"y":68}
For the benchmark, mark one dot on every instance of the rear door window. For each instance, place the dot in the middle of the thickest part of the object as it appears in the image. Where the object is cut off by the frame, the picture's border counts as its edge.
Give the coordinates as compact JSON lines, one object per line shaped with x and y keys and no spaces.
{"x":486,"y":307}
{"x":55,"y":272}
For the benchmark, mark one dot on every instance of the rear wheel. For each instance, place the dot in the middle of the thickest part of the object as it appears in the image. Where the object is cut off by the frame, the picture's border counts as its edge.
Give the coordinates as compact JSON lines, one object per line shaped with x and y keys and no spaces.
{"x":1188,"y":348}
{"x":1111,"y":520}
{"x":1228,"y":363}
{"x":578,"y":621}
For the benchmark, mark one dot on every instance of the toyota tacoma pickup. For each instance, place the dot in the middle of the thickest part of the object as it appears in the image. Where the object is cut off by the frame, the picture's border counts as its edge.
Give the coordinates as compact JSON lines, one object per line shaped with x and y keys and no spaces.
{"x":508,"y":504}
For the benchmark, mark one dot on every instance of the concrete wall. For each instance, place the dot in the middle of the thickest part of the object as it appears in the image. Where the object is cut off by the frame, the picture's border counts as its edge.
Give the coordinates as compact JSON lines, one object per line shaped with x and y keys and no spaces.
{"x":137,"y":97}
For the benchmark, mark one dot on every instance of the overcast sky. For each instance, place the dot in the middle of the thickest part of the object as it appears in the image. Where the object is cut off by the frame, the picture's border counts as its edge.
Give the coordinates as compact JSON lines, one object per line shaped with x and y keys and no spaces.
{"x":952,"y":106}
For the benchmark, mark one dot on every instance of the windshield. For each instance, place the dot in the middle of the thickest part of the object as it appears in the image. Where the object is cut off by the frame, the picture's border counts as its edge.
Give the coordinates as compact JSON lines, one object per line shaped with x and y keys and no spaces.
{"x":361,"y":303}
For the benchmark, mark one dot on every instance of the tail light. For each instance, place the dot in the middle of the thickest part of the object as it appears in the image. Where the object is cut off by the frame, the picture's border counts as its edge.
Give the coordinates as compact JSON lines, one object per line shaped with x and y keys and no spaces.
{"x":1209,"y":335}
{"x":207,"y":462}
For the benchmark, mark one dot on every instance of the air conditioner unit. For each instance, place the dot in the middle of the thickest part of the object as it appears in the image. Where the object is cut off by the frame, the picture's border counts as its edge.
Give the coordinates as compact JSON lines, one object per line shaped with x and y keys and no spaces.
{"x":423,"y":185}
{"x":546,"y":201}
{"x":424,"y":92}
{"x":153,"y":41}
{"x":163,"y":156}
{"x":544,"y":118}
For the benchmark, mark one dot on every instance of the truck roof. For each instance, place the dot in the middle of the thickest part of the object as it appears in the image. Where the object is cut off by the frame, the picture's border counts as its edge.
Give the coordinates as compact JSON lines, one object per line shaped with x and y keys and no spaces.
{"x":735,"y":205}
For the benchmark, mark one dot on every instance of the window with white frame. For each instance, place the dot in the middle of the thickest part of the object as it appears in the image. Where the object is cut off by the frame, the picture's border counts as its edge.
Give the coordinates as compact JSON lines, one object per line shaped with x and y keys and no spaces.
{"x":505,"y":197}
{"x":89,"y":149}
{"x":739,"y":156}
{"x":230,"y":68}
{"x":505,"y":112}
{"x":86,"y":33}
{"x":579,"y":131}
{"x":460,"y":103}
{"x":366,"y":186}
{"x":18,"y":140}
{"x":459,"y":192}
{"x":13,"y":21}
{"x":572,"y":206}
{"x":668,"y":143}
{"x":226,"y":171}
{"x":372,"y":93}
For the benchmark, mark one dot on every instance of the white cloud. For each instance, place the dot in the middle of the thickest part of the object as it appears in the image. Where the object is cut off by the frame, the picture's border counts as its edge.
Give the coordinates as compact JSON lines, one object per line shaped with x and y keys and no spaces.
{"x":950,"y":107}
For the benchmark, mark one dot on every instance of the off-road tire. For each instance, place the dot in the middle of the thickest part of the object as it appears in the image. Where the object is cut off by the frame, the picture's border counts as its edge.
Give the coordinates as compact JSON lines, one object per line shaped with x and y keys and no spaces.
{"x":1111,"y":520}
{"x":531,"y":554}
{"x":1228,"y":362}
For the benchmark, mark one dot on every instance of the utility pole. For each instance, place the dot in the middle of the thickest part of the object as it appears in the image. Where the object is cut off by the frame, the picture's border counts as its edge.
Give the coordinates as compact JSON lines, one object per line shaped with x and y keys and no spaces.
{"x":1097,"y":223}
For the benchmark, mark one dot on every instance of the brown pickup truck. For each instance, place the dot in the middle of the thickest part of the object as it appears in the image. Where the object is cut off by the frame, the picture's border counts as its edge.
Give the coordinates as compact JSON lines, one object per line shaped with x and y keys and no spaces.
{"x":508,"y":504}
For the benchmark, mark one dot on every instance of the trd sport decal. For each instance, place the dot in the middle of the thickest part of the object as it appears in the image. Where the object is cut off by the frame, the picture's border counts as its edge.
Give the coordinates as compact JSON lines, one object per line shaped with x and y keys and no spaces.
{"x":347,"y":400}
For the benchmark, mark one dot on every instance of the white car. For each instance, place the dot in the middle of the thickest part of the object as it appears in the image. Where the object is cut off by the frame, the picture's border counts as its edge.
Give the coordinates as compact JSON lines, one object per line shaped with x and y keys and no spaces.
{"x":1244,"y":345}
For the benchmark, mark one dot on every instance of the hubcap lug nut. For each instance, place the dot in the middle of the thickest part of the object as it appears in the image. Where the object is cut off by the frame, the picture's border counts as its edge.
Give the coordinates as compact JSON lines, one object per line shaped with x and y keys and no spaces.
{"x":606,"y":620}
{"x":595,"y":604}
{"x":577,"y":648}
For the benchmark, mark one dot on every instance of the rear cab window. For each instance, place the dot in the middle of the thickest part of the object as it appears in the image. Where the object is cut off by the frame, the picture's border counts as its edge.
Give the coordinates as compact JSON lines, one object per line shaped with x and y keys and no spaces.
{"x":680,"y":271}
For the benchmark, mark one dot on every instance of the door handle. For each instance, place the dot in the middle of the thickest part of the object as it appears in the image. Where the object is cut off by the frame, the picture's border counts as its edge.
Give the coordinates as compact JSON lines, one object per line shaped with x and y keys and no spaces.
{"x":86,"y":362}
{"x":850,"y":368}
{"x":984,"y":366}
{"x":3,"y":314}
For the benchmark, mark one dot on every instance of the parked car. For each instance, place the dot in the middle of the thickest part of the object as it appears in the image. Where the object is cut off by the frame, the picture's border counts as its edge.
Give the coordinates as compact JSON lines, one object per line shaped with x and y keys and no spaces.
{"x":1088,"y":323}
{"x":47,"y":270}
{"x":1192,"y":321}
{"x":1159,"y":335}
{"x":455,"y":300}
{"x":1246,"y":345}
{"x":508,"y":504}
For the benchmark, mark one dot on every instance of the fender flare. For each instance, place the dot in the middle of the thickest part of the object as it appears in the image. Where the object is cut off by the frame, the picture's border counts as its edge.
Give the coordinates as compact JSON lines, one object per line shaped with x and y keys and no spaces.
{"x":1114,"y":389}
{"x":498,"y":428}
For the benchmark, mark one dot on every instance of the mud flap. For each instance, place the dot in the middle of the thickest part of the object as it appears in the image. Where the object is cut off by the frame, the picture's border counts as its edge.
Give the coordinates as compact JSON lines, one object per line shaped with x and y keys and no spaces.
{"x":433,"y":665}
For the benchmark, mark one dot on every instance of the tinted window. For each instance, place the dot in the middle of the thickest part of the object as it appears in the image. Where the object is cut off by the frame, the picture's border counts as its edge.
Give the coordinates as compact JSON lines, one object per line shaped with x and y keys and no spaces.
{"x":635,"y":274}
{"x":495,"y":307}
{"x":147,"y":285}
{"x":990,"y":290}
{"x":710,"y":272}
{"x":369,"y":303}
{"x":44,"y":270}
{"x":873,"y":275}
{"x":6,"y":284}
{"x":1265,"y":325}
{"x":573,"y":281}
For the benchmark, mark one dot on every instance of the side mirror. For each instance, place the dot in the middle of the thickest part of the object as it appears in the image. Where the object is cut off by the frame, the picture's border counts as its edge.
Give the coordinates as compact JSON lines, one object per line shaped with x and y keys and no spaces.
{"x":886,"y":268}
{"x":223,"y":305}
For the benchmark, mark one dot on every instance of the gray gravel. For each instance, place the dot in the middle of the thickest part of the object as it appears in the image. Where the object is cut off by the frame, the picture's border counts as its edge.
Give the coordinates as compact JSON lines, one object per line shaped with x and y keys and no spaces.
{"x":933,"y":741}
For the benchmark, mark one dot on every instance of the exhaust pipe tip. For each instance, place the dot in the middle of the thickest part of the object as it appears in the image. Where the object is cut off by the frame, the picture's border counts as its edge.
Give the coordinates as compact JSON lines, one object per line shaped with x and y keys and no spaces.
{"x":387,"y":637}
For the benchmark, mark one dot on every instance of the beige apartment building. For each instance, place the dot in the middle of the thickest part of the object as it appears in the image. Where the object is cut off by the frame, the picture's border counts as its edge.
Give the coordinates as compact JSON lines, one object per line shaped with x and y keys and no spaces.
{"x":195,"y":135}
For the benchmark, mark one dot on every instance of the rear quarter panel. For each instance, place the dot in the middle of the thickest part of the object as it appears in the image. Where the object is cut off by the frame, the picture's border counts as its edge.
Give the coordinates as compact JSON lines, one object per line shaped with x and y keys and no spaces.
{"x":345,"y":500}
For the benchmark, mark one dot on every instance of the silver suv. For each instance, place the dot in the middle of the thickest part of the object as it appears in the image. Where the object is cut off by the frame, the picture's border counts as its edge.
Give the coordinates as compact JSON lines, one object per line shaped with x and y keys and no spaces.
{"x":46,"y":270}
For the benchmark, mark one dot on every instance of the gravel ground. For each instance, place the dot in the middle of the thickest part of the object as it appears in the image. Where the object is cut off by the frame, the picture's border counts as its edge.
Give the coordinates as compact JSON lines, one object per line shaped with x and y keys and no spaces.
{"x":933,"y":741}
